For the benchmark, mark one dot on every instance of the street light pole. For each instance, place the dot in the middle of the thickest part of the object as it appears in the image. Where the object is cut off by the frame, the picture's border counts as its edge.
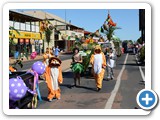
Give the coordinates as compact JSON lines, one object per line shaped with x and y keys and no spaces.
{"x":65,"y":31}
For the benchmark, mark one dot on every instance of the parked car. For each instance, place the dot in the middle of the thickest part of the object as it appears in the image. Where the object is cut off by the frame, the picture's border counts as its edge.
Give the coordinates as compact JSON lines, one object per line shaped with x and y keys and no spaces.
{"x":130,"y":50}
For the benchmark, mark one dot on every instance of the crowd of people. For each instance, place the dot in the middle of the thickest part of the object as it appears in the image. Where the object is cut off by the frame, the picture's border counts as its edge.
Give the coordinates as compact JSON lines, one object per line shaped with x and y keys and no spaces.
{"x":101,"y":61}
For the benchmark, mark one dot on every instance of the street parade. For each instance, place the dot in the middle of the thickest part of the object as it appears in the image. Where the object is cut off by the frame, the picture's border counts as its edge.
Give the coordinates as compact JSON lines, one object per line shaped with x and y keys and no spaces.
{"x":71,"y":70}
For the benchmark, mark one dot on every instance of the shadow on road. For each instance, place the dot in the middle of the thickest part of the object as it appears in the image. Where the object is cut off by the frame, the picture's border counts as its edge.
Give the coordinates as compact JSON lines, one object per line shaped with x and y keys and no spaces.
{"x":130,"y":64}
{"x":67,"y":74}
{"x":67,"y":85}
{"x":88,"y":88}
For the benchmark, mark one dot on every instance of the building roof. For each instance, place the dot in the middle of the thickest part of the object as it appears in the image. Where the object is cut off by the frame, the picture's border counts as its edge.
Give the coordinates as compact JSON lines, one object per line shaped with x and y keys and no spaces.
{"x":44,"y":15}
{"x":14,"y":13}
{"x":49,"y":16}
{"x":87,"y":32}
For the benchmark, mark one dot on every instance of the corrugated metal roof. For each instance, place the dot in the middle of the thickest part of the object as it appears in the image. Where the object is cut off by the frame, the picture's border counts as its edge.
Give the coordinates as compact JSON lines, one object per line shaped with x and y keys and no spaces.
{"x":25,"y":14}
{"x":44,"y":15}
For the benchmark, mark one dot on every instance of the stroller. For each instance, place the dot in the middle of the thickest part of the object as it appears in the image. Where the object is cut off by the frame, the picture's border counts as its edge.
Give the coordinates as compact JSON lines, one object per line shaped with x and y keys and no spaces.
{"x":25,"y":102}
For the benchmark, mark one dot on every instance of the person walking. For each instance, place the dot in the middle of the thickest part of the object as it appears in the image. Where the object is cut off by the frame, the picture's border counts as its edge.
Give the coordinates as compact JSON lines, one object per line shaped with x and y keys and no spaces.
{"x":98,"y":62}
{"x":111,"y":64}
{"x":57,"y":50}
{"x":108,"y":67}
{"x":53,"y":77}
{"x":76,"y":65}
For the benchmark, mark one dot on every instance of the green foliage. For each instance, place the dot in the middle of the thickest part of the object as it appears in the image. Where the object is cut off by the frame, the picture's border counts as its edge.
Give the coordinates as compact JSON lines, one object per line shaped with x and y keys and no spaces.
{"x":140,"y":40}
{"x":117,"y":47}
{"x":111,"y":32}
{"x":48,"y":33}
{"x":86,"y":60}
{"x":142,"y":54}
{"x":11,"y":29}
{"x":130,"y":41}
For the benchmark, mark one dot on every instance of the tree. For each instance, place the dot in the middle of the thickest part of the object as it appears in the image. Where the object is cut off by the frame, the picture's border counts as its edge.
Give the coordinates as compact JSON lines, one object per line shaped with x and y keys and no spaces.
{"x":140,"y":40}
{"x":48,"y":34}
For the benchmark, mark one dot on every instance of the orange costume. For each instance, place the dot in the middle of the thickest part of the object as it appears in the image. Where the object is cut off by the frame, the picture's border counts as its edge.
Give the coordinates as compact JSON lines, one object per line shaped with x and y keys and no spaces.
{"x":98,"y":62}
{"x":53,"y":77}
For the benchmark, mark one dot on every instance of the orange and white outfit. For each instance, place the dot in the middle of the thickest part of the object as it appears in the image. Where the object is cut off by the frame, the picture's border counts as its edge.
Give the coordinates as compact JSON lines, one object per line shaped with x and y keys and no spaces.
{"x":98,"y":62}
{"x":53,"y":77}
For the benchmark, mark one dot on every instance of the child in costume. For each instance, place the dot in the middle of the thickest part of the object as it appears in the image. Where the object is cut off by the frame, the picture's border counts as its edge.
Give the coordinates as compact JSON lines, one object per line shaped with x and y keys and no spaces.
{"x":76,"y":66}
{"x":48,"y":54}
{"x":98,"y":62}
{"x":53,"y":76}
{"x":110,"y":61}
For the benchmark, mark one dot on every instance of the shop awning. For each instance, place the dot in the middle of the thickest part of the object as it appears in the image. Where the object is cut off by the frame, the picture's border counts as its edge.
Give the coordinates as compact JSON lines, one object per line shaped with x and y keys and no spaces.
{"x":29,"y":35}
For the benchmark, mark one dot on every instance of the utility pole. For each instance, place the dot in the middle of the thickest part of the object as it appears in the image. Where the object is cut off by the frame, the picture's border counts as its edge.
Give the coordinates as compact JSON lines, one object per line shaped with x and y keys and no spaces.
{"x":65,"y":31}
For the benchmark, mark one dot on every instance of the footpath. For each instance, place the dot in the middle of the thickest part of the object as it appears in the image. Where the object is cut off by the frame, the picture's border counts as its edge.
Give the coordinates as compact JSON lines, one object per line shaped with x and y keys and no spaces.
{"x":65,"y":63}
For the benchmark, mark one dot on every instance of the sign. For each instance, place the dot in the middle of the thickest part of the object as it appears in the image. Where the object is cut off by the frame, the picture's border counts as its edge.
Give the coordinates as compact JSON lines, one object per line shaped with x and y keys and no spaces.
{"x":25,"y":35}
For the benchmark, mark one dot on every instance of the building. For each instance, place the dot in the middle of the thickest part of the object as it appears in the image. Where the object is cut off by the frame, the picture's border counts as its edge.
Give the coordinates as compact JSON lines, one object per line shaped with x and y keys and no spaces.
{"x":87,"y":33}
{"x":142,"y":23}
{"x":68,"y":32}
{"x":29,"y":37}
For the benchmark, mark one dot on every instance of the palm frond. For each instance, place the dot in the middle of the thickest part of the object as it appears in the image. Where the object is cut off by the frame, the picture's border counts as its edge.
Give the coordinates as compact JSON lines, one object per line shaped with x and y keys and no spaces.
{"x":12,"y":28}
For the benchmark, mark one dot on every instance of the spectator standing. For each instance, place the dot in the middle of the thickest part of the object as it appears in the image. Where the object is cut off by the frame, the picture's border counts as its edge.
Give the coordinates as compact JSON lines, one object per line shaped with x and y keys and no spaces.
{"x":56,"y":52}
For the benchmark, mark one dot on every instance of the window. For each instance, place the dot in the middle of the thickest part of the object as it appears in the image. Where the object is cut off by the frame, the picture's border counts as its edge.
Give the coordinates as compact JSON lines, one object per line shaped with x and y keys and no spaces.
{"x":28,"y":27}
{"x":33,"y":28}
{"x":17,"y":25}
{"x":37,"y":28}
{"x":22,"y":26}
{"x":11,"y":23}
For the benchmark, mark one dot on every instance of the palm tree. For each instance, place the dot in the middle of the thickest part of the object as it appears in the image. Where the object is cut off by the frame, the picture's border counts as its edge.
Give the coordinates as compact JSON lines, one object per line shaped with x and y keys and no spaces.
{"x":11,"y":33}
{"x":48,"y":34}
{"x":111,"y":32}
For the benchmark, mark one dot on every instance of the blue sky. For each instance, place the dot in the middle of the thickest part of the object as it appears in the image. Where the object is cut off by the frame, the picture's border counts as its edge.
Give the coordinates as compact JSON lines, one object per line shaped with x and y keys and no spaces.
{"x":93,"y":19}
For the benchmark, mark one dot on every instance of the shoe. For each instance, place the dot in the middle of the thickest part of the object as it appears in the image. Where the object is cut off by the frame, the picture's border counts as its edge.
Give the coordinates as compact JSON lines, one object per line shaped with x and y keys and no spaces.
{"x":58,"y":98}
{"x":112,"y":77}
{"x":50,"y":100}
{"x":98,"y":89}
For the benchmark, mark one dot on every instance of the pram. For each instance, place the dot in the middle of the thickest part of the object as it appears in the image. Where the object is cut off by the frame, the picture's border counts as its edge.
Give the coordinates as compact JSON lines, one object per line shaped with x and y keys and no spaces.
{"x":23,"y":103}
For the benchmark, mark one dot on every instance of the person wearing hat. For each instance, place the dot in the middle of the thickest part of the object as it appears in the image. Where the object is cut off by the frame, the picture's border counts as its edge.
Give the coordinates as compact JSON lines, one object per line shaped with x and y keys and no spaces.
{"x":98,"y":62}
{"x":53,"y":76}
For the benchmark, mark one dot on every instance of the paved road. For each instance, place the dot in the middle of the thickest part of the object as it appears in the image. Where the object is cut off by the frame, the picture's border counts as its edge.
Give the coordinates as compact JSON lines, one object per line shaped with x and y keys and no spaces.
{"x":28,"y":64}
{"x":126,"y":84}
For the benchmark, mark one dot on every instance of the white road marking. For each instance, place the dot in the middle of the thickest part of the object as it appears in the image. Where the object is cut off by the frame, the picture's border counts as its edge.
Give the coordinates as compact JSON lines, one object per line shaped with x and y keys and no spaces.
{"x":142,"y":74}
{"x":140,"y":69}
{"x":115,"y":90}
